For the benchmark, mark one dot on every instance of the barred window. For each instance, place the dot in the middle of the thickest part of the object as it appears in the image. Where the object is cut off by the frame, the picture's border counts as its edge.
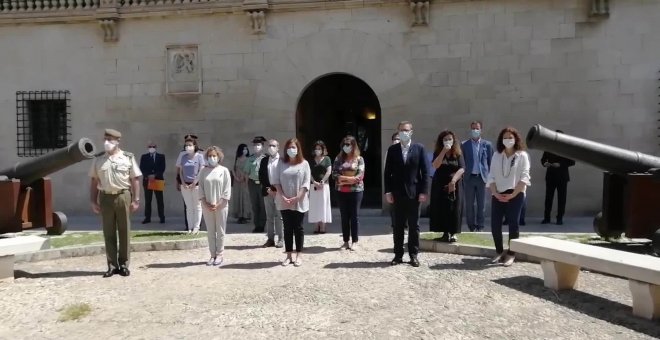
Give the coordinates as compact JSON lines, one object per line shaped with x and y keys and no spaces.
{"x":42,"y":121}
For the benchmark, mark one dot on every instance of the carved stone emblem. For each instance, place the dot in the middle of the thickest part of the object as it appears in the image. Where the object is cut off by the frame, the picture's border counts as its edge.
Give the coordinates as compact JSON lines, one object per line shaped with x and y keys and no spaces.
{"x":257,"y":21}
{"x":420,"y":12}
{"x":184,"y":75}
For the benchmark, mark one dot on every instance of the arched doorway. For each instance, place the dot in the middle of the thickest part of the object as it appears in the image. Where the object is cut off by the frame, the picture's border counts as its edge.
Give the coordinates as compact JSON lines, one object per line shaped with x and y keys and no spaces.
{"x":340,"y":104}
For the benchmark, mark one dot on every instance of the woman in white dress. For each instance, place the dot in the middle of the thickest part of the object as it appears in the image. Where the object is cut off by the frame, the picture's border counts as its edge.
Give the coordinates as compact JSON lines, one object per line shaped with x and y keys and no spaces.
{"x":320,"y":212}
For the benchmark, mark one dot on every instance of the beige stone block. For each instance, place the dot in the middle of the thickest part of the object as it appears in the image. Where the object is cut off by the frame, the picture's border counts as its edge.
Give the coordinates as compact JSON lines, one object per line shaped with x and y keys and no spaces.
{"x":540,"y":46}
{"x":220,"y":73}
{"x":646,"y":299}
{"x":438,"y":51}
{"x":459,"y":50}
{"x":565,"y":45}
{"x":7,"y":268}
{"x":229,"y":60}
{"x":521,"y":47}
{"x":419,"y":52}
{"x":545,"y":31}
{"x":567,"y":30}
{"x":123,"y":90}
{"x":110,"y":65}
{"x":519,"y":33}
{"x":499,"y":48}
{"x":457,"y":78}
{"x":559,"y":276}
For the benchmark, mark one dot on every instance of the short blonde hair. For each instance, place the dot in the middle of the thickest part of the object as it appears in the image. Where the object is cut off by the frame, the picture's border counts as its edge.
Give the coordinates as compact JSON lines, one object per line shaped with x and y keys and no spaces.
{"x":404,"y":122}
{"x":217,"y":150}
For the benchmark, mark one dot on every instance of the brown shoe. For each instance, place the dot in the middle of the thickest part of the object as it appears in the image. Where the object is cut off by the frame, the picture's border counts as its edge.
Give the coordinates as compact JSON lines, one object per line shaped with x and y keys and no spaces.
{"x":269,"y":243}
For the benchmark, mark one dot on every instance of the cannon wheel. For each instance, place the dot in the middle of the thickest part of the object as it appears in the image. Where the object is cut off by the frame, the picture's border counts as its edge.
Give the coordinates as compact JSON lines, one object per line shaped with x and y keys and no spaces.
{"x":656,"y":242}
{"x":601,"y":229}
{"x":60,"y":223}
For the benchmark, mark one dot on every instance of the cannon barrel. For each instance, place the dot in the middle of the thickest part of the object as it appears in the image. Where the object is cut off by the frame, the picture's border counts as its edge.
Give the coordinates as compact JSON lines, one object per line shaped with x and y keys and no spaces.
{"x":34,"y":169}
{"x":606,"y":157}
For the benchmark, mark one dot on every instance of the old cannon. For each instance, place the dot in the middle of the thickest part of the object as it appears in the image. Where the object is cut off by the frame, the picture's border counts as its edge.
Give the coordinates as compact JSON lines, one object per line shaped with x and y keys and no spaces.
{"x":631,"y":185}
{"x":27,"y":190}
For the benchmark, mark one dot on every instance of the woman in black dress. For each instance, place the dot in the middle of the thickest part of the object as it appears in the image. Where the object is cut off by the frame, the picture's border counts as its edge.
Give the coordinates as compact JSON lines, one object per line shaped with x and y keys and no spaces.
{"x":446,"y":189}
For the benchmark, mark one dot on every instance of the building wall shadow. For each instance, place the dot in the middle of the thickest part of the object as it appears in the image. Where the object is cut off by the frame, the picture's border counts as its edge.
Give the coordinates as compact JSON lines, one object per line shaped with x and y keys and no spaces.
{"x":591,"y":305}
{"x":63,"y":274}
{"x":357,"y":265}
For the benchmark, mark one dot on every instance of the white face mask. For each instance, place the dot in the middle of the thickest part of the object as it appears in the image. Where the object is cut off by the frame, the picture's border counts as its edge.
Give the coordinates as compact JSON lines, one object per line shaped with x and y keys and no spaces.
{"x":448,"y":143}
{"x":347,"y":149}
{"x":245,"y":152}
{"x":292,"y":152}
{"x":318,"y":152}
{"x":213,"y":160}
{"x":109,"y":145}
{"x":152,"y":150}
{"x":509,"y":142}
{"x":190,"y":149}
{"x":257,"y":148}
{"x":272,"y":151}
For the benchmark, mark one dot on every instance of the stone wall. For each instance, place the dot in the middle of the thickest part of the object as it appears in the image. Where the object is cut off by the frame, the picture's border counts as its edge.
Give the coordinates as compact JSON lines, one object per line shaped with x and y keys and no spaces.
{"x":506,"y":62}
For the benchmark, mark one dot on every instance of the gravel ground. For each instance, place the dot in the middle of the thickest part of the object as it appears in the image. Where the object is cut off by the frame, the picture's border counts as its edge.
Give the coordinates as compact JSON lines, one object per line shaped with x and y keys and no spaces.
{"x":334,"y":295}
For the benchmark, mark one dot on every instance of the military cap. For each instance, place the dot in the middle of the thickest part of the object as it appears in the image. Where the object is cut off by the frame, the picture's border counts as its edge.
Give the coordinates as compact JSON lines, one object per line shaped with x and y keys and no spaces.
{"x":190,"y":136}
{"x":259,"y":139}
{"x":112,"y":133}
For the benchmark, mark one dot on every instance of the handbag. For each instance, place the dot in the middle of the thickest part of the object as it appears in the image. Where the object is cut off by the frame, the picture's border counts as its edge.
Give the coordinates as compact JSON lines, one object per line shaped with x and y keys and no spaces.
{"x":156,"y":185}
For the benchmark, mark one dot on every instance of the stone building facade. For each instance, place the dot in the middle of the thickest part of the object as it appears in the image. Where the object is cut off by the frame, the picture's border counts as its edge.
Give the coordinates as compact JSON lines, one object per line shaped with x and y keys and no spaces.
{"x":229,"y":70}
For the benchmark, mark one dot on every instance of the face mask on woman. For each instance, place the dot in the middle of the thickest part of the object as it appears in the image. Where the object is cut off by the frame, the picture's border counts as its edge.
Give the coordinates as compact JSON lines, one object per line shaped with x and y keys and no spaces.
{"x":347,"y":149}
{"x":245,"y":152}
{"x":318,"y":152}
{"x":508,"y":142}
{"x":190,"y":149}
{"x":292,"y":152}
{"x":448,"y":143}
{"x":213,"y":161}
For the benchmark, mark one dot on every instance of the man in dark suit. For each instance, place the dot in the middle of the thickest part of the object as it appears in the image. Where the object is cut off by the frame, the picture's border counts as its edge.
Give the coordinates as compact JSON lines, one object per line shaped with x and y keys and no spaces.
{"x":152,"y":165}
{"x":406,"y":183}
{"x":556,"y":178}
{"x":477,"y":153}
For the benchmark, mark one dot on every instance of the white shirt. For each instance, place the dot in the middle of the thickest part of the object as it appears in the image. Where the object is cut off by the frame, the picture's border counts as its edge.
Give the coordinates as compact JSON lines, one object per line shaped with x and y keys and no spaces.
{"x":404,"y":150}
{"x":214,"y":184}
{"x":507,"y":172}
{"x":272,"y":167}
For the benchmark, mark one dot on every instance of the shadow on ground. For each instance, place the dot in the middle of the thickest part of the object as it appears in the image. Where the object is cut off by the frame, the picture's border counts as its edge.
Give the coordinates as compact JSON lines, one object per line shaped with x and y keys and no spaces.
{"x":63,"y":274}
{"x":357,"y":265}
{"x":591,"y":305}
{"x":251,"y":265}
{"x":174,"y":265}
{"x":466,"y":264}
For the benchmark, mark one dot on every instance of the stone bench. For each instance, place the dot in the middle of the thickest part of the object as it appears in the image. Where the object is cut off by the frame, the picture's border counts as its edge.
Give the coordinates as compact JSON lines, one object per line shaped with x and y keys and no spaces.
{"x":10,"y":246}
{"x":561,"y":262}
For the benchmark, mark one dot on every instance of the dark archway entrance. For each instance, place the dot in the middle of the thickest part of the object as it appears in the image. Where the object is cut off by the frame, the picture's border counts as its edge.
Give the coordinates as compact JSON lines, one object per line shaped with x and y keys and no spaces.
{"x":336,"y":105}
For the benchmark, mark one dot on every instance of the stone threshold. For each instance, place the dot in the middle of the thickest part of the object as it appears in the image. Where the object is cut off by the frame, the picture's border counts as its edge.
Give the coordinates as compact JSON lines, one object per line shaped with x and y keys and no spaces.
{"x":99,"y":249}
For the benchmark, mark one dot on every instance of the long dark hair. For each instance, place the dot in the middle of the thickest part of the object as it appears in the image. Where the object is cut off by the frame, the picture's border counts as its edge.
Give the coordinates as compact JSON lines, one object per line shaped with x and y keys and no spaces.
{"x":239,"y":152}
{"x":455,"y":148}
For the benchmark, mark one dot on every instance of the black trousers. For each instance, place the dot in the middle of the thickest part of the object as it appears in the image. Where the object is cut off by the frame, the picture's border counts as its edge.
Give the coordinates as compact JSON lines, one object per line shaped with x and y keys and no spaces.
{"x":349,"y":205}
{"x":550,"y":187}
{"x":511,"y":210}
{"x":293,"y":221}
{"x":148,"y":195}
{"x":406,"y":211}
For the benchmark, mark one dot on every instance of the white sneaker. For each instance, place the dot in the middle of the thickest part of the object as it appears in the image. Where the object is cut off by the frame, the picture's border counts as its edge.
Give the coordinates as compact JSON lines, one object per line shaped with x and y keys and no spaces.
{"x":211,"y":262}
{"x":354,"y":246}
{"x":195,"y":231}
{"x":286,"y":262}
{"x":218,"y":261}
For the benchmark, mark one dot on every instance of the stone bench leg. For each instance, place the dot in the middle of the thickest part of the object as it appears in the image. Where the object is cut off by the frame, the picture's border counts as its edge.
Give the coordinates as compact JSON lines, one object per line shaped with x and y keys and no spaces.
{"x":7,"y":268}
{"x":646,"y":299}
{"x":557,"y":275}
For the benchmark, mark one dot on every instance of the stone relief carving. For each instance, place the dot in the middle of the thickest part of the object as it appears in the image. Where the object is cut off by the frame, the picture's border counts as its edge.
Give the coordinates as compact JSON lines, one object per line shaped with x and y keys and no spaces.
{"x":257,"y":21}
{"x":183,"y":70}
{"x":110,"y":30}
{"x":420,"y":12}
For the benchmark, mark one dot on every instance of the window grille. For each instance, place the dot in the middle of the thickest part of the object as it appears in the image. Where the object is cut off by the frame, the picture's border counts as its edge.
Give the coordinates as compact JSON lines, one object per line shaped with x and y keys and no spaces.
{"x":42,"y":121}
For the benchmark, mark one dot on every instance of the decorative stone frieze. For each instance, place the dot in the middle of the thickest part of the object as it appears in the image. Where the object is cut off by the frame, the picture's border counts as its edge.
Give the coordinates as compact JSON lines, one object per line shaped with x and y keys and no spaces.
{"x":109,"y":28}
{"x":600,"y":8}
{"x":256,"y":13}
{"x":420,"y":12}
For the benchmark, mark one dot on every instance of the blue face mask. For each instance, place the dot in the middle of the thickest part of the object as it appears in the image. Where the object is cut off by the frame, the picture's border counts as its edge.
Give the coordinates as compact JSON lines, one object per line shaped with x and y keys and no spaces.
{"x":475,"y":133}
{"x":404,"y":136}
